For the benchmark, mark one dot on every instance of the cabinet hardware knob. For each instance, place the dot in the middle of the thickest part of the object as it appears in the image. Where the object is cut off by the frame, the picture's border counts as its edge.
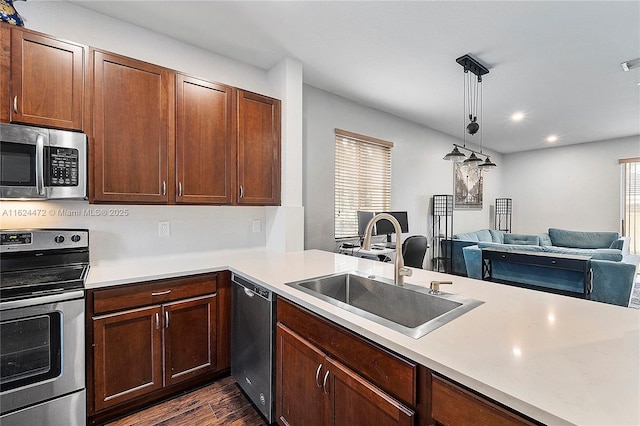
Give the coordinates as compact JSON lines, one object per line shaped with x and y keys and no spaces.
{"x":318,"y":375}
{"x":241,"y":192}
{"x":324,"y":383}
{"x":179,"y":189}
{"x":157,"y":321}
{"x":166,"y":319}
{"x":160,"y":293}
{"x":15,"y":104}
{"x":164,"y":187}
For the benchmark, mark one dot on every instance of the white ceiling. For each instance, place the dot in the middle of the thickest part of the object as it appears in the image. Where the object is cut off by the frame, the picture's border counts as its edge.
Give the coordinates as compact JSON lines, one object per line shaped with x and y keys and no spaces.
{"x":558,"y":62}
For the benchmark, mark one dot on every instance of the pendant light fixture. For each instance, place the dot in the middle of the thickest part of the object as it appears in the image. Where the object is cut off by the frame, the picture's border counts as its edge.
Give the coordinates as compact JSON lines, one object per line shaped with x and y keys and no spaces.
{"x":472,"y":98}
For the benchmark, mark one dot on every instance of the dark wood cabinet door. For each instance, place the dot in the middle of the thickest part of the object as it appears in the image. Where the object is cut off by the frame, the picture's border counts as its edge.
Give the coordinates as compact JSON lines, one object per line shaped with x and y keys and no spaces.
{"x":300,"y":370}
{"x":189,"y":338}
{"x":47,"y":81}
{"x":5,"y":73}
{"x":258,"y":149}
{"x":353,"y":400}
{"x":127,"y":355}
{"x":205,"y":147}
{"x":131,"y":123}
{"x":454,"y":405}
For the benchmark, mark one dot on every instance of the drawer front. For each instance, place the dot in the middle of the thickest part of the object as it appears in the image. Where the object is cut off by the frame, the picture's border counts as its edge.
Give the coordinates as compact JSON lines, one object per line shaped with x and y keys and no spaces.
{"x":152,"y":292}
{"x":386,"y":370}
{"x":454,"y":405}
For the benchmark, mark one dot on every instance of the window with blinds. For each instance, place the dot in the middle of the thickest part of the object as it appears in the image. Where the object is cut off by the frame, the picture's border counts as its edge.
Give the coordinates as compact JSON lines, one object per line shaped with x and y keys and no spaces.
{"x":362,"y":179}
{"x":631,"y":201}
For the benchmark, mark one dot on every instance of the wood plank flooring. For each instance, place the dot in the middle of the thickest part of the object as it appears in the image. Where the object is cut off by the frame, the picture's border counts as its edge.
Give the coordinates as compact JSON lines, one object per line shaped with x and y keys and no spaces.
{"x":221,"y":403}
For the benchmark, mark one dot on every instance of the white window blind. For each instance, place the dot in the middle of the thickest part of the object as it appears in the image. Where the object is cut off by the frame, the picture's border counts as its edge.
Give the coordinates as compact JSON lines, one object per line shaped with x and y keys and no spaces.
{"x":631,"y":201}
{"x":362,"y":179}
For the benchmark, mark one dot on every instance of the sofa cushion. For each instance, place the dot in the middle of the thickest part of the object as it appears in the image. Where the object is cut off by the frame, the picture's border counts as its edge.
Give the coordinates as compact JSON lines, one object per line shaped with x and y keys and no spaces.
{"x":524,"y":239}
{"x":510,"y":247}
{"x":497,"y":236}
{"x":545,"y":240}
{"x":469,"y":236}
{"x":613,"y":255}
{"x":582,"y":239}
{"x":481,"y":235}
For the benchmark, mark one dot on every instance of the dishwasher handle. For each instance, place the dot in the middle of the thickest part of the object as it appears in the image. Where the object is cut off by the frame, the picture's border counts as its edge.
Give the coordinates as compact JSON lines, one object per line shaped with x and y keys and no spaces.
{"x":252,"y":289}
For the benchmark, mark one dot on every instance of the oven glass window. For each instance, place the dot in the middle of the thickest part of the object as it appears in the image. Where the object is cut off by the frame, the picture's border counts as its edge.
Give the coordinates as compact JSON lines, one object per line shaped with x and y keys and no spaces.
{"x":17,"y":164}
{"x":30,"y":350}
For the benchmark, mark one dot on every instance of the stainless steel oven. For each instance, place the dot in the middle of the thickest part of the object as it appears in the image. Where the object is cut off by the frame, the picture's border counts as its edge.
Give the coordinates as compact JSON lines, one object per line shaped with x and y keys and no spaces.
{"x":37,"y":163}
{"x":42,"y":362}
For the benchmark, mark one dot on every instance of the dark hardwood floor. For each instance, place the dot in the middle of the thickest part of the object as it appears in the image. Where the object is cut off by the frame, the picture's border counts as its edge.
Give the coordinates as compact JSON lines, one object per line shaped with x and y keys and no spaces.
{"x":221,"y":403}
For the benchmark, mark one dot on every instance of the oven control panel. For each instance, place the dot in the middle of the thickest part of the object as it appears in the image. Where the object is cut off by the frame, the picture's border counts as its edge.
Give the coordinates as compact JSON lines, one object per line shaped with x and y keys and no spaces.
{"x":43,"y":239}
{"x":14,"y":238}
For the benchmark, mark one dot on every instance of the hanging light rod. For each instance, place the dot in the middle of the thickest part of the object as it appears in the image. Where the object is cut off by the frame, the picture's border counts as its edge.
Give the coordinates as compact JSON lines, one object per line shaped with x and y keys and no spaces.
{"x":471,"y":64}
{"x":470,"y":150}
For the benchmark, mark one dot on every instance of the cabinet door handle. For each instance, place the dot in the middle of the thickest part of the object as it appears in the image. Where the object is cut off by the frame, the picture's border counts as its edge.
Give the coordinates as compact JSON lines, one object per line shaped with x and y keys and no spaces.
{"x":180,"y":189}
{"x":241,"y":192}
{"x":324,"y":383}
{"x":166,"y":319}
{"x":318,"y":375}
{"x":160,"y":293}
{"x":15,"y":104}
{"x":164,"y":187}
{"x":157,"y":321}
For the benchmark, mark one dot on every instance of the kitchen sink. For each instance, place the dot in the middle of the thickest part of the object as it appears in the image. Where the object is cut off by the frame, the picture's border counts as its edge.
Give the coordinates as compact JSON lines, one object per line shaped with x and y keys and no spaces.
{"x":409,"y":309}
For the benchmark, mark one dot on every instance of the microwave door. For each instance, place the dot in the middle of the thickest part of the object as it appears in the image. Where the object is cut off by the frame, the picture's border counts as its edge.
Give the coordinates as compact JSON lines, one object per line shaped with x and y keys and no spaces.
{"x":22,"y":158}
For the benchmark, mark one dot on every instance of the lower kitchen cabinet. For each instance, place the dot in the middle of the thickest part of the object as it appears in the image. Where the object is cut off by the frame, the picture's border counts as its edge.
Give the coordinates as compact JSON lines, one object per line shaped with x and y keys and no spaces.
{"x":455,"y":405}
{"x":154,"y":339}
{"x":314,"y":389}
{"x":127,"y":355}
{"x":325,"y":375}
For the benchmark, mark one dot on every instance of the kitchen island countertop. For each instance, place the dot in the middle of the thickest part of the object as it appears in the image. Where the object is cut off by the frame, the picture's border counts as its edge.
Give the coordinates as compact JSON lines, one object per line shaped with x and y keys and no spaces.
{"x":557,"y":359}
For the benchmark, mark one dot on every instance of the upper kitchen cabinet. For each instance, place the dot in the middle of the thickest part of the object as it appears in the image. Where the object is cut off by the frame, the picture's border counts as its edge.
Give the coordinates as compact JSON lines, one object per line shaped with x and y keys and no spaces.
{"x":205,"y":152}
{"x":258,"y":149}
{"x":132,"y":111}
{"x":43,"y":80}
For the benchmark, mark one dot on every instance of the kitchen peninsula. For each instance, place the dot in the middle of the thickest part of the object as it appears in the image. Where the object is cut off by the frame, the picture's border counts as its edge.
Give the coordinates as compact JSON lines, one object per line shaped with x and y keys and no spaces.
{"x":555,"y":359}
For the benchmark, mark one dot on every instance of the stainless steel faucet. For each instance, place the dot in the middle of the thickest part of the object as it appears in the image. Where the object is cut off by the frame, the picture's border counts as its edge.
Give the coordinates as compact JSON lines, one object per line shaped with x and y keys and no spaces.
{"x":400,"y":271}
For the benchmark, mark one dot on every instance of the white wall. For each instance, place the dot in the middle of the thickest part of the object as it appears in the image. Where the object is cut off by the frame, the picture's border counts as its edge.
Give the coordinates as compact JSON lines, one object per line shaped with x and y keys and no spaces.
{"x":418,"y":170}
{"x":573,"y":187}
{"x":193,"y":228}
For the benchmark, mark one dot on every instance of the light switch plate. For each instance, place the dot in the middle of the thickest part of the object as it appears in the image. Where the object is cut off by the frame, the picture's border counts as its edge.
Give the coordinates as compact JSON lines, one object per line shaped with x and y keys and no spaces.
{"x":257,"y":225}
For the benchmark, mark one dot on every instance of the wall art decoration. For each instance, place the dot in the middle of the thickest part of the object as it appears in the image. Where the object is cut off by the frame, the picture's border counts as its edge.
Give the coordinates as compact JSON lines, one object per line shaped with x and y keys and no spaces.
{"x":467,"y":187}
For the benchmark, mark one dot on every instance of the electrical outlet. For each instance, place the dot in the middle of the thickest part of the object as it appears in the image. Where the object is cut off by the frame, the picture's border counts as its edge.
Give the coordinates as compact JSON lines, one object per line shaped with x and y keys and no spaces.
{"x":256,"y":225}
{"x":164,"y":229}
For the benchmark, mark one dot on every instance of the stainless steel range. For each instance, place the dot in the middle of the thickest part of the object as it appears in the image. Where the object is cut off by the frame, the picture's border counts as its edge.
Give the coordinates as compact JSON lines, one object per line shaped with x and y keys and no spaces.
{"x":42,"y":362}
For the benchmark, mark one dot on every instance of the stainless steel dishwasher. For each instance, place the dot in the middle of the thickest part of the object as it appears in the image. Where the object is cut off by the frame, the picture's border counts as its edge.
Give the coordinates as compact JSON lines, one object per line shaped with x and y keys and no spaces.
{"x":252,"y":343}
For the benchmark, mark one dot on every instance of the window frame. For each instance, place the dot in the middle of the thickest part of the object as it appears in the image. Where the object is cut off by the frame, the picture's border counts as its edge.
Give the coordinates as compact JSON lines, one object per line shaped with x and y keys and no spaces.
{"x":363,"y":185}
{"x":631,"y":195}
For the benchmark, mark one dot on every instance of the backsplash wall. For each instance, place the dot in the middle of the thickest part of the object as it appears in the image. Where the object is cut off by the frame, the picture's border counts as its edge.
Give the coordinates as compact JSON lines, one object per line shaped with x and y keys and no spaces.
{"x":121,"y":231}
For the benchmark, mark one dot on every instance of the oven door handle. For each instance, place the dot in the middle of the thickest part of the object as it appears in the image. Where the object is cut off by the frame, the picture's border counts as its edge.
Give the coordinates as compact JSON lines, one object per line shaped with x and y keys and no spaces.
{"x":41,"y":300}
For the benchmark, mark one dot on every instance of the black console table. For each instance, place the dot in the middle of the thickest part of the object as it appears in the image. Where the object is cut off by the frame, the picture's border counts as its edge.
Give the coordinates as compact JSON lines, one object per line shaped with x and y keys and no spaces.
{"x":576,"y":263}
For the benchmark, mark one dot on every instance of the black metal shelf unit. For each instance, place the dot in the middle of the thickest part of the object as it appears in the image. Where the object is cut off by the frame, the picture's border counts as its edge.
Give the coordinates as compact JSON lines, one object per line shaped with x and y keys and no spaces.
{"x":503,"y":212}
{"x":442,"y":229}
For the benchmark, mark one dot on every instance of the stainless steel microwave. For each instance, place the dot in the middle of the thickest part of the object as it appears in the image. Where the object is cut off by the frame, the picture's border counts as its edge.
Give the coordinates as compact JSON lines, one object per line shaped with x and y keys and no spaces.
{"x":37,"y":163}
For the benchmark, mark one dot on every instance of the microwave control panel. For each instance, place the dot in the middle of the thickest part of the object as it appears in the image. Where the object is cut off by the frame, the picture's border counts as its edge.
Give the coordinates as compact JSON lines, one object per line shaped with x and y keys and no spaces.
{"x":63,"y":166}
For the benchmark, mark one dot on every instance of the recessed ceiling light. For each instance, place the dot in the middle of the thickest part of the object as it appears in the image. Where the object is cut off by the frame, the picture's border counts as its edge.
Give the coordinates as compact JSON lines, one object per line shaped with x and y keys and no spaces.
{"x":552,"y":138}
{"x":517,"y":116}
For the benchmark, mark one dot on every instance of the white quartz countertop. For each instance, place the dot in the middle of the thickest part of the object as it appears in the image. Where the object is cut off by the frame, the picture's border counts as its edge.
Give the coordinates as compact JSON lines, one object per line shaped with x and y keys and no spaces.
{"x":557,"y":359}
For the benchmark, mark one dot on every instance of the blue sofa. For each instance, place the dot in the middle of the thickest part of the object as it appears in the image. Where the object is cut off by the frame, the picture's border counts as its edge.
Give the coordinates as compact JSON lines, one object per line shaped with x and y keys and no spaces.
{"x":613,"y":269}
